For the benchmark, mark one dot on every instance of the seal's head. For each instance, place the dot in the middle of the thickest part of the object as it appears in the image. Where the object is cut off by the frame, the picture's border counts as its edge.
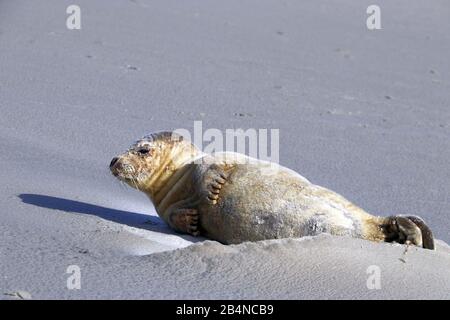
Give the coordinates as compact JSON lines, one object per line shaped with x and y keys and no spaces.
{"x":152,"y":160}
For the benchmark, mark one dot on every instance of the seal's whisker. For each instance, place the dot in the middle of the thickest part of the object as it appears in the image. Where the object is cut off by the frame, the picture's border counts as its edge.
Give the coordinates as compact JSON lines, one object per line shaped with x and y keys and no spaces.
{"x":135,"y":183}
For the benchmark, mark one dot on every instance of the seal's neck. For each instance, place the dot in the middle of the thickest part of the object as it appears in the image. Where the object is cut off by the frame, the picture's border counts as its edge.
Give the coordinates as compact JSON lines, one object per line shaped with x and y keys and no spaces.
{"x":172,"y":164}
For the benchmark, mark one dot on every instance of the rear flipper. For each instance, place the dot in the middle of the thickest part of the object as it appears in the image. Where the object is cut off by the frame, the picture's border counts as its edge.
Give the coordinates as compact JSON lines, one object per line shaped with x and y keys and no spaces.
{"x":427,"y":235}
{"x":408,"y":230}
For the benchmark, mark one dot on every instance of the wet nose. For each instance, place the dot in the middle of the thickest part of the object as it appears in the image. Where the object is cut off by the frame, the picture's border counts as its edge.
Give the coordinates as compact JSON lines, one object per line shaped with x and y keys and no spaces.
{"x":113,"y":161}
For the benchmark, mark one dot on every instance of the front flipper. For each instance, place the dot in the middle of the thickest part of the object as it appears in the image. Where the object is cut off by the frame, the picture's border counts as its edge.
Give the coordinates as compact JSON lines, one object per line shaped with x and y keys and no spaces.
{"x":185,"y":220}
{"x":214,"y":179}
{"x":409,"y":230}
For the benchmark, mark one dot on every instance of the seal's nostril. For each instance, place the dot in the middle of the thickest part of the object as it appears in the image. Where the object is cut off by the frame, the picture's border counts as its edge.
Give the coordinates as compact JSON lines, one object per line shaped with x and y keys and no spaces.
{"x":113,"y":161}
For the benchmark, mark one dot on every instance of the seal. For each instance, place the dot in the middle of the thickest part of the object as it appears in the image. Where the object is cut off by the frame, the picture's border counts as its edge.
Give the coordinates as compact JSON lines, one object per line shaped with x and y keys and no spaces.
{"x":233,"y":198}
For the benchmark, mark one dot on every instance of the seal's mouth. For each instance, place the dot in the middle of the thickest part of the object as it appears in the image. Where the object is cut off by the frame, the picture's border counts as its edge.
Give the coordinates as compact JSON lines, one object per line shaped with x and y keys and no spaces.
{"x":122,"y":170}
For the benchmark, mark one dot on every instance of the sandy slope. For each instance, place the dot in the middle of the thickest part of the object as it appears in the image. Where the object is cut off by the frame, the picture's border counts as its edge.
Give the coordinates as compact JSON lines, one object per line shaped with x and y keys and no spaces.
{"x":364,"y":113}
{"x":324,"y":267}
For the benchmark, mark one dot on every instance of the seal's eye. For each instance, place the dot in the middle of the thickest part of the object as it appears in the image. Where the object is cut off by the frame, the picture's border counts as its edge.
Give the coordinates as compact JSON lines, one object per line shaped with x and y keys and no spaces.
{"x":143,"y":151}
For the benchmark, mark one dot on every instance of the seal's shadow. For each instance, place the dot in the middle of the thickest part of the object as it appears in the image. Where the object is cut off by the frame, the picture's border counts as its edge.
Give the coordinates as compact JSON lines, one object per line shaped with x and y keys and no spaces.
{"x":132,"y":219}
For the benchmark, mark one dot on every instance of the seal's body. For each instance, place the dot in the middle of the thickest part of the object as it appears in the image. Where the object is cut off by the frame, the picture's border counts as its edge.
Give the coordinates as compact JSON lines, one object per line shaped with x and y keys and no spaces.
{"x":233,"y":198}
